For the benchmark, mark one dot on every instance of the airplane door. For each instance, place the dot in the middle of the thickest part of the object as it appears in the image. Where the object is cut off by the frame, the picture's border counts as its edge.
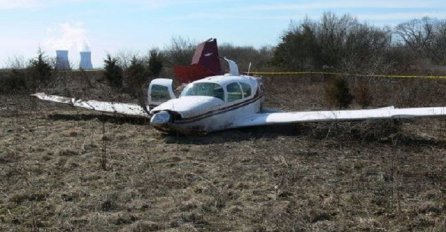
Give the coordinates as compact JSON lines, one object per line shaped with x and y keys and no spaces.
{"x":159,"y":91}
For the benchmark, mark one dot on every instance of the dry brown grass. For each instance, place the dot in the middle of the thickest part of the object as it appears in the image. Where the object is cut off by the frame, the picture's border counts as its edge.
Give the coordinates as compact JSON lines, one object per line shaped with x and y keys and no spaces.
{"x":350,"y":176}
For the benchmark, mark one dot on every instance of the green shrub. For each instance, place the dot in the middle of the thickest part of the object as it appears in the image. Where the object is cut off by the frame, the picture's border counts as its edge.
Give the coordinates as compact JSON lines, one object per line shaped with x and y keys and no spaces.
{"x":113,"y":72}
{"x":136,"y":77}
{"x":155,"y":63}
{"x":39,"y":70}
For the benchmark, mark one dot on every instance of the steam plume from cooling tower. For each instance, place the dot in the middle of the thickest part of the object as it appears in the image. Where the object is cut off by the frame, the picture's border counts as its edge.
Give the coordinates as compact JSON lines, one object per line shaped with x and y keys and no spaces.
{"x":73,"y":37}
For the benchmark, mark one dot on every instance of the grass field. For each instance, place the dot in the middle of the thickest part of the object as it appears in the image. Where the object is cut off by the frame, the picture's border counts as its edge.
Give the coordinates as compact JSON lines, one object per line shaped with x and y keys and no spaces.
{"x":64,"y":169}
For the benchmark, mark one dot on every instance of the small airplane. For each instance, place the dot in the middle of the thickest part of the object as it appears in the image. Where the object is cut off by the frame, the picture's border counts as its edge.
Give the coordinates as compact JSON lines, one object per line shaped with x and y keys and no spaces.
{"x":212,"y":101}
{"x":223,"y":102}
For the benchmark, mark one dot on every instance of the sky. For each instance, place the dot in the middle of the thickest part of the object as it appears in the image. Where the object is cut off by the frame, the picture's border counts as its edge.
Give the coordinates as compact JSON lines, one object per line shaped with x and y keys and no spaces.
{"x":135,"y":26}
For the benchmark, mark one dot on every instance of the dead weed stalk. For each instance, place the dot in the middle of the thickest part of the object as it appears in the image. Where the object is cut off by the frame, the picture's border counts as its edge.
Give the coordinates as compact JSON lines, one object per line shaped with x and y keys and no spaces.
{"x":104,"y":149}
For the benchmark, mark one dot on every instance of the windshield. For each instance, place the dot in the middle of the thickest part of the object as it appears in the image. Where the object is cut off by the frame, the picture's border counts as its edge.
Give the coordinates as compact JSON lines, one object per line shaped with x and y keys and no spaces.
{"x":204,"y":89}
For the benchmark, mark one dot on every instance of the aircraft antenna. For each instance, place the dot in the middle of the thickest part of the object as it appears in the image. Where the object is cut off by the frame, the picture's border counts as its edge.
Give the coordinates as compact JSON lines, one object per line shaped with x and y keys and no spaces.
{"x":249,"y":68}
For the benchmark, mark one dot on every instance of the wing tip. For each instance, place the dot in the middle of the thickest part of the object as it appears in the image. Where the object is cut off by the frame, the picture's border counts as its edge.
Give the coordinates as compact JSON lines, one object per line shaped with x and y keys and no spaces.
{"x":38,"y":94}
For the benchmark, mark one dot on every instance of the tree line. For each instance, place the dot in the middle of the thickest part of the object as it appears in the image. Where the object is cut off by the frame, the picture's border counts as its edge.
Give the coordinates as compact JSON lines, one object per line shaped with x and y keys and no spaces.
{"x":333,"y":43}
{"x":343,"y":43}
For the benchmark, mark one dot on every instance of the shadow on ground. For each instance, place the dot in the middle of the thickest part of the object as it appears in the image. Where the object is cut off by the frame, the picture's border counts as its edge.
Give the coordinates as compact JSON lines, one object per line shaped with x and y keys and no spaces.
{"x":381,"y":131}
{"x":118,"y":119}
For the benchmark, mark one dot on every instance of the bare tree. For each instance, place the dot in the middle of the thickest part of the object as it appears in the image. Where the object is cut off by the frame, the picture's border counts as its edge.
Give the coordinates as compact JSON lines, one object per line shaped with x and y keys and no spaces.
{"x":124,"y":58}
{"x":425,"y":36}
{"x":16,"y":63}
{"x":299,"y":48}
{"x":334,"y":42}
{"x":245,"y":55}
{"x":180,"y":51}
{"x":439,"y":43}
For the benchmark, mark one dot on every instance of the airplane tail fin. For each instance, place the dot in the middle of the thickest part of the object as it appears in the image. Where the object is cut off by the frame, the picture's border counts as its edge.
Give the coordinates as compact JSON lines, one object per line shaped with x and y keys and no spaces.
{"x":205,"y":62}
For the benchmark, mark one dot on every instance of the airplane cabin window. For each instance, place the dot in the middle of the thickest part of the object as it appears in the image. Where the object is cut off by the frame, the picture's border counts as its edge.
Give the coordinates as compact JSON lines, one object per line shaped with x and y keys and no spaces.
{"x":204,"y":89}
{"x":234,"y":92}
{"x":159,"y":93}
{"x":246,"y":89}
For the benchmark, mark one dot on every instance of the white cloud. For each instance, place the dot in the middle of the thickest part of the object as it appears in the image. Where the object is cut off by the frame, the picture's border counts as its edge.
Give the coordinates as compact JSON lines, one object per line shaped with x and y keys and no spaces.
{"x":67,"y":36}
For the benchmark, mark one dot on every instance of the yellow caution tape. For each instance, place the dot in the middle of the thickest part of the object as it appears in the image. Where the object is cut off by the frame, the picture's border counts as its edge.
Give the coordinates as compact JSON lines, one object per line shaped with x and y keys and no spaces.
{"x":345,"y":74}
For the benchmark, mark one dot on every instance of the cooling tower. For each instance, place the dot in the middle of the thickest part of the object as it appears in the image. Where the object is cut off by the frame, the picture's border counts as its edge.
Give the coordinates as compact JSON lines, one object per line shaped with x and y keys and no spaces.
{"x":85,"y":63}
{"x":62,"y":62}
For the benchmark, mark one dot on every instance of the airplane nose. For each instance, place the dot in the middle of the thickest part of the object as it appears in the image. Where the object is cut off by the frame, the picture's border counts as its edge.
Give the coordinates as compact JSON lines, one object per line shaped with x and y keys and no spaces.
{"x":160,"y":118}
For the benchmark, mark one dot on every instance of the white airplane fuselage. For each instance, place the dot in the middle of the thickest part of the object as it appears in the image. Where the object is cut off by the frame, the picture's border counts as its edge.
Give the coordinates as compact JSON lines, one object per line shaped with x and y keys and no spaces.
{"x":210,"y":104}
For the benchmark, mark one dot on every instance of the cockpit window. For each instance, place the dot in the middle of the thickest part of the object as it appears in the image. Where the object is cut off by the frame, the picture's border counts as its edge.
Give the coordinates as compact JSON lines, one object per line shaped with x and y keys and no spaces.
{"x":234,"y":92}
{"x":204,"y":89}
{"x":246,"y":90}
{"x":159,"y":93}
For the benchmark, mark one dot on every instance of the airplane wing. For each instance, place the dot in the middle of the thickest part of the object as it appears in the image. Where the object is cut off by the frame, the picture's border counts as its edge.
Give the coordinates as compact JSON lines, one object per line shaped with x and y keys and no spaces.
{"x":337,"y":115}
{"x":108,"y":107}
